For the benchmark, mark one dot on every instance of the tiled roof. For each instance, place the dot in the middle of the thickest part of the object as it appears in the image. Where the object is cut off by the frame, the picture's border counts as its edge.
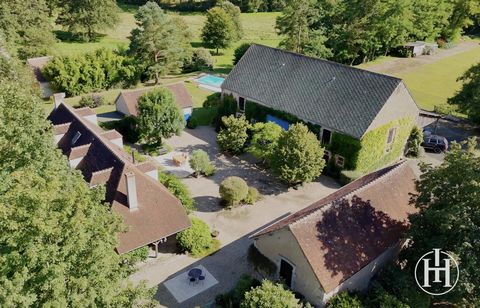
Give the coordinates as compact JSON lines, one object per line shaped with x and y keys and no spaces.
{"x":182,"y":97}
{"x":336,"y":96}
{"x":345,"y":231}
{"x":159,"y":213}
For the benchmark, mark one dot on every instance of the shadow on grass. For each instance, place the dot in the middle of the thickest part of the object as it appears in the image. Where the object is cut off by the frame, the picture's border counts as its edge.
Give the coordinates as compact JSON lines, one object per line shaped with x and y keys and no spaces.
{"x":70,"y":37}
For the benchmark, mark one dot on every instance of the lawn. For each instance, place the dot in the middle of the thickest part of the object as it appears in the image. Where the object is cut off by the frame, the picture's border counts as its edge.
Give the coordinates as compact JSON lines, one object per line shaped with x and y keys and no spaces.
{"x":258,"y":28}
{"x":432,"y":84}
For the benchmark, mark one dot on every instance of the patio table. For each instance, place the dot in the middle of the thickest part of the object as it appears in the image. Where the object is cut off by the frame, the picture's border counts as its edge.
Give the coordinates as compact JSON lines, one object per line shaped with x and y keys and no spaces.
{"x":195,"y":273}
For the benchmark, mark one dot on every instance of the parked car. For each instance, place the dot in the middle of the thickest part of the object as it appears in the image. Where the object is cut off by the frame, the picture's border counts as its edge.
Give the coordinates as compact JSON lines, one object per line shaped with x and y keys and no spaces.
{"x":434,"y":142}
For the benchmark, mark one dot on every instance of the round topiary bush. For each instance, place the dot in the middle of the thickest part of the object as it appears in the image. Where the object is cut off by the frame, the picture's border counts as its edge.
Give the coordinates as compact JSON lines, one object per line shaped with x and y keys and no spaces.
{"x":197,"y":239}
{"x":233,"y":190}
{"x":252,"y":196}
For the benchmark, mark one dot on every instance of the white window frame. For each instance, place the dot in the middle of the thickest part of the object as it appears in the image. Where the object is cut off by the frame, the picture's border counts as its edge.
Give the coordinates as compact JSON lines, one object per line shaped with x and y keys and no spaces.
{"x":388,"y":146}
{"x":76,"y":137}
{"x":342,"y":165}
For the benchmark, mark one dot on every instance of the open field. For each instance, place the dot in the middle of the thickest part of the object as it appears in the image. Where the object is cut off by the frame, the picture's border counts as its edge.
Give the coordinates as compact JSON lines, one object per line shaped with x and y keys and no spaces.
{"x":258,"y":28}
{"x":432,"y":84}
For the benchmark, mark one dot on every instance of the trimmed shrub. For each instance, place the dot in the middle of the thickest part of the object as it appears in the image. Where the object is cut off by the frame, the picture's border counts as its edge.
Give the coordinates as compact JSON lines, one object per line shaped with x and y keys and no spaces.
{"x":202,"y":60}
{"x":235,"y":296}
{"x":192,"y":123}
{"x":227,"y":107}
{"x":200,"y":163}
{"x":240,"y":51}
{"x":298,"y":158}
{"x":414,"y":148}
{"x":233,"y":190}
{"x":213,"y":100}
{"x":264,"y":140}
{"x":197,"y":239}
{"x":252,"y":196}
{"x":233,"y":136}
{"x":345,"y":300}
{"x":269,"y":295}
{"x":92,"y":101}
{"x":178,"y":189}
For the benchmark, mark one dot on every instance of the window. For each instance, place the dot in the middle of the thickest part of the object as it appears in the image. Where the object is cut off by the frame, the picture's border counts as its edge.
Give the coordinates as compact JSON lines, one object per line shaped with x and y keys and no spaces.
{"x":390,"y":138}
{"x":391,"y":135}
{"x":327,"y":155}
{"x":76,"y":137}
{"x":241,"y":103}
{"x":339,"y":161}
{"x":326,"y":136}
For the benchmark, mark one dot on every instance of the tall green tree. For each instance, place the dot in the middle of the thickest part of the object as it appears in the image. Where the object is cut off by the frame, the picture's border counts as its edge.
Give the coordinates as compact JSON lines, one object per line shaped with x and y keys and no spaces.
{"x":264,"y":140}
{"x":88,"y":17}
{"x":218,"y":30}
{"x":57,"y":237}
{"x":160,"y":43}
{"x":463,"y":14}
{"x":430,"y":17}
{"x":26,"y":27}
{"x":234,"y":12}
{"x":159,"y":116}
{"x":467,"y":99}
{"x":449,"y":218}
{"x":270,"y":295}
{"x":296,"y":25}
{"x":298,"y":157}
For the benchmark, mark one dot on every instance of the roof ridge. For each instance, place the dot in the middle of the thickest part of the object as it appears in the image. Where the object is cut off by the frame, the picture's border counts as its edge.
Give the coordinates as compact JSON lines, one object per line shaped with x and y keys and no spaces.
{"x":63,"y":124}
{"x":394,"y":168}
{"x":328,"y":61}
{"x":81,"y":146}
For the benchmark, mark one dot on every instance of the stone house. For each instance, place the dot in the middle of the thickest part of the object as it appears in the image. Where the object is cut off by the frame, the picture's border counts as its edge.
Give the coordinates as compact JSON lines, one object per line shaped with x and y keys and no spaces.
{"x":362,"y":118}
{"x":151,"y":213}
{"x":339,"y":242}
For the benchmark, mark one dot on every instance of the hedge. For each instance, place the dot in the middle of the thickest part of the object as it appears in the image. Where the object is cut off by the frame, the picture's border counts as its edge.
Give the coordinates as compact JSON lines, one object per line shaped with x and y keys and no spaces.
{"x":178,"y":189}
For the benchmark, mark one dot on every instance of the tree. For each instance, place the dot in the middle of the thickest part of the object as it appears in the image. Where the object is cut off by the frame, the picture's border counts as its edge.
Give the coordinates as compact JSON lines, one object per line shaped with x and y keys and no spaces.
{"x":270,"y":295}
{"x":200,"y":163}
{"x":178,"y":189}
{"x":26,"y":27}
{"x":468,"y":98}
{"x":449,"y":218}
{"x":234,"y":12}
{"x":159,"y":116}
{"x":201,"y":60}
{"x":233,"y":190}
{"x":218,"y":30}
{"x":88,"y":17}
{"x":58,"y":238}
{"x":296,"y":24}
{"x":264,"y":140}
{"x":233,"y":136}
{"x":298,"y":157}
{"x":160,"y":43}
{"x":196,"y":239}
{"x":414,"y":143}
{"x":462,"y":17}
{"x":240,"y":51}
{"x":345,"y":300}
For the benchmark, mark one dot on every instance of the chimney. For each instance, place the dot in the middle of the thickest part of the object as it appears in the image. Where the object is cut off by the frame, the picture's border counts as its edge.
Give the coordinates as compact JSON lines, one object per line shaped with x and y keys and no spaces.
{"x":131,"y":191}
{"x":58,"y":99}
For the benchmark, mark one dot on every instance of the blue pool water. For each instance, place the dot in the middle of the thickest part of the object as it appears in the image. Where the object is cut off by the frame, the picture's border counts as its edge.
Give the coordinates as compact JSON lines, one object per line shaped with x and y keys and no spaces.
{"x":211,"y":80}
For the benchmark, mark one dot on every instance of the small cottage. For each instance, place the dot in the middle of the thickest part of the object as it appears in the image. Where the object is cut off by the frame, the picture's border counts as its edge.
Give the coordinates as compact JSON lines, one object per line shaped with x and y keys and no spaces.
{"x":127,"y":101}
{"x":339,"y":243}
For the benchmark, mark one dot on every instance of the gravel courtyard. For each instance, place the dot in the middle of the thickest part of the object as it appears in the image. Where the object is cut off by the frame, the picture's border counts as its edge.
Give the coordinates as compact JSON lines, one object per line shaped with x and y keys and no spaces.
{"x":234,"y":226}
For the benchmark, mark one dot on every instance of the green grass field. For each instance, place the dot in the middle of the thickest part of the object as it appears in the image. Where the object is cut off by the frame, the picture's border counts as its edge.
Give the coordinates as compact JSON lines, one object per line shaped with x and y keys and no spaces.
{"x":432,"y":84}
{"x":258,"y":28}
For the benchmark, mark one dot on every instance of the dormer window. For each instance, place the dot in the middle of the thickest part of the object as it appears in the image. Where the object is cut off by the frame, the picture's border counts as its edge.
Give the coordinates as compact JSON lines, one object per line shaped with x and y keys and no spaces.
{"x":75,"y":138}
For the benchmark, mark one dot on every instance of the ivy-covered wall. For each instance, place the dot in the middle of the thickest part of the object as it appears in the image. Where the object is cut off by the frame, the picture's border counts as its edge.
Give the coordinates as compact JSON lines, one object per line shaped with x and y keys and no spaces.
{"x":361,"y":156}
{"x":372,"y":154}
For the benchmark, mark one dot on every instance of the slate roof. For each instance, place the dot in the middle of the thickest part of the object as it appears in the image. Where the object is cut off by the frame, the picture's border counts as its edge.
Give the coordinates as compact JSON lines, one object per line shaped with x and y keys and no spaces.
{"x":333,"y":95}
{"x":159,"y":213}
{"x":345,"y":231}
{"x":179,"y":91}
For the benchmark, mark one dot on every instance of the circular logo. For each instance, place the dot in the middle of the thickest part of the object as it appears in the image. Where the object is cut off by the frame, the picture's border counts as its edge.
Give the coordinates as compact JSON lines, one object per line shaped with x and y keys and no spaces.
{"x":436,"y":272}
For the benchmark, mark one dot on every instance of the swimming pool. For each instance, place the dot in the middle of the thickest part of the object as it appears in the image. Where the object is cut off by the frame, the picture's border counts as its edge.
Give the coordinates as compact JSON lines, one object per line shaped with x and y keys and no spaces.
{"x":211,"y":80}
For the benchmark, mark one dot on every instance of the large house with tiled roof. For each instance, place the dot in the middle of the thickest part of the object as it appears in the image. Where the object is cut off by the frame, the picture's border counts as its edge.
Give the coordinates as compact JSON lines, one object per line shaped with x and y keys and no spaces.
{"x":339,"y":242}
{"x":362,"y":118}
{"x":150,"y":212}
